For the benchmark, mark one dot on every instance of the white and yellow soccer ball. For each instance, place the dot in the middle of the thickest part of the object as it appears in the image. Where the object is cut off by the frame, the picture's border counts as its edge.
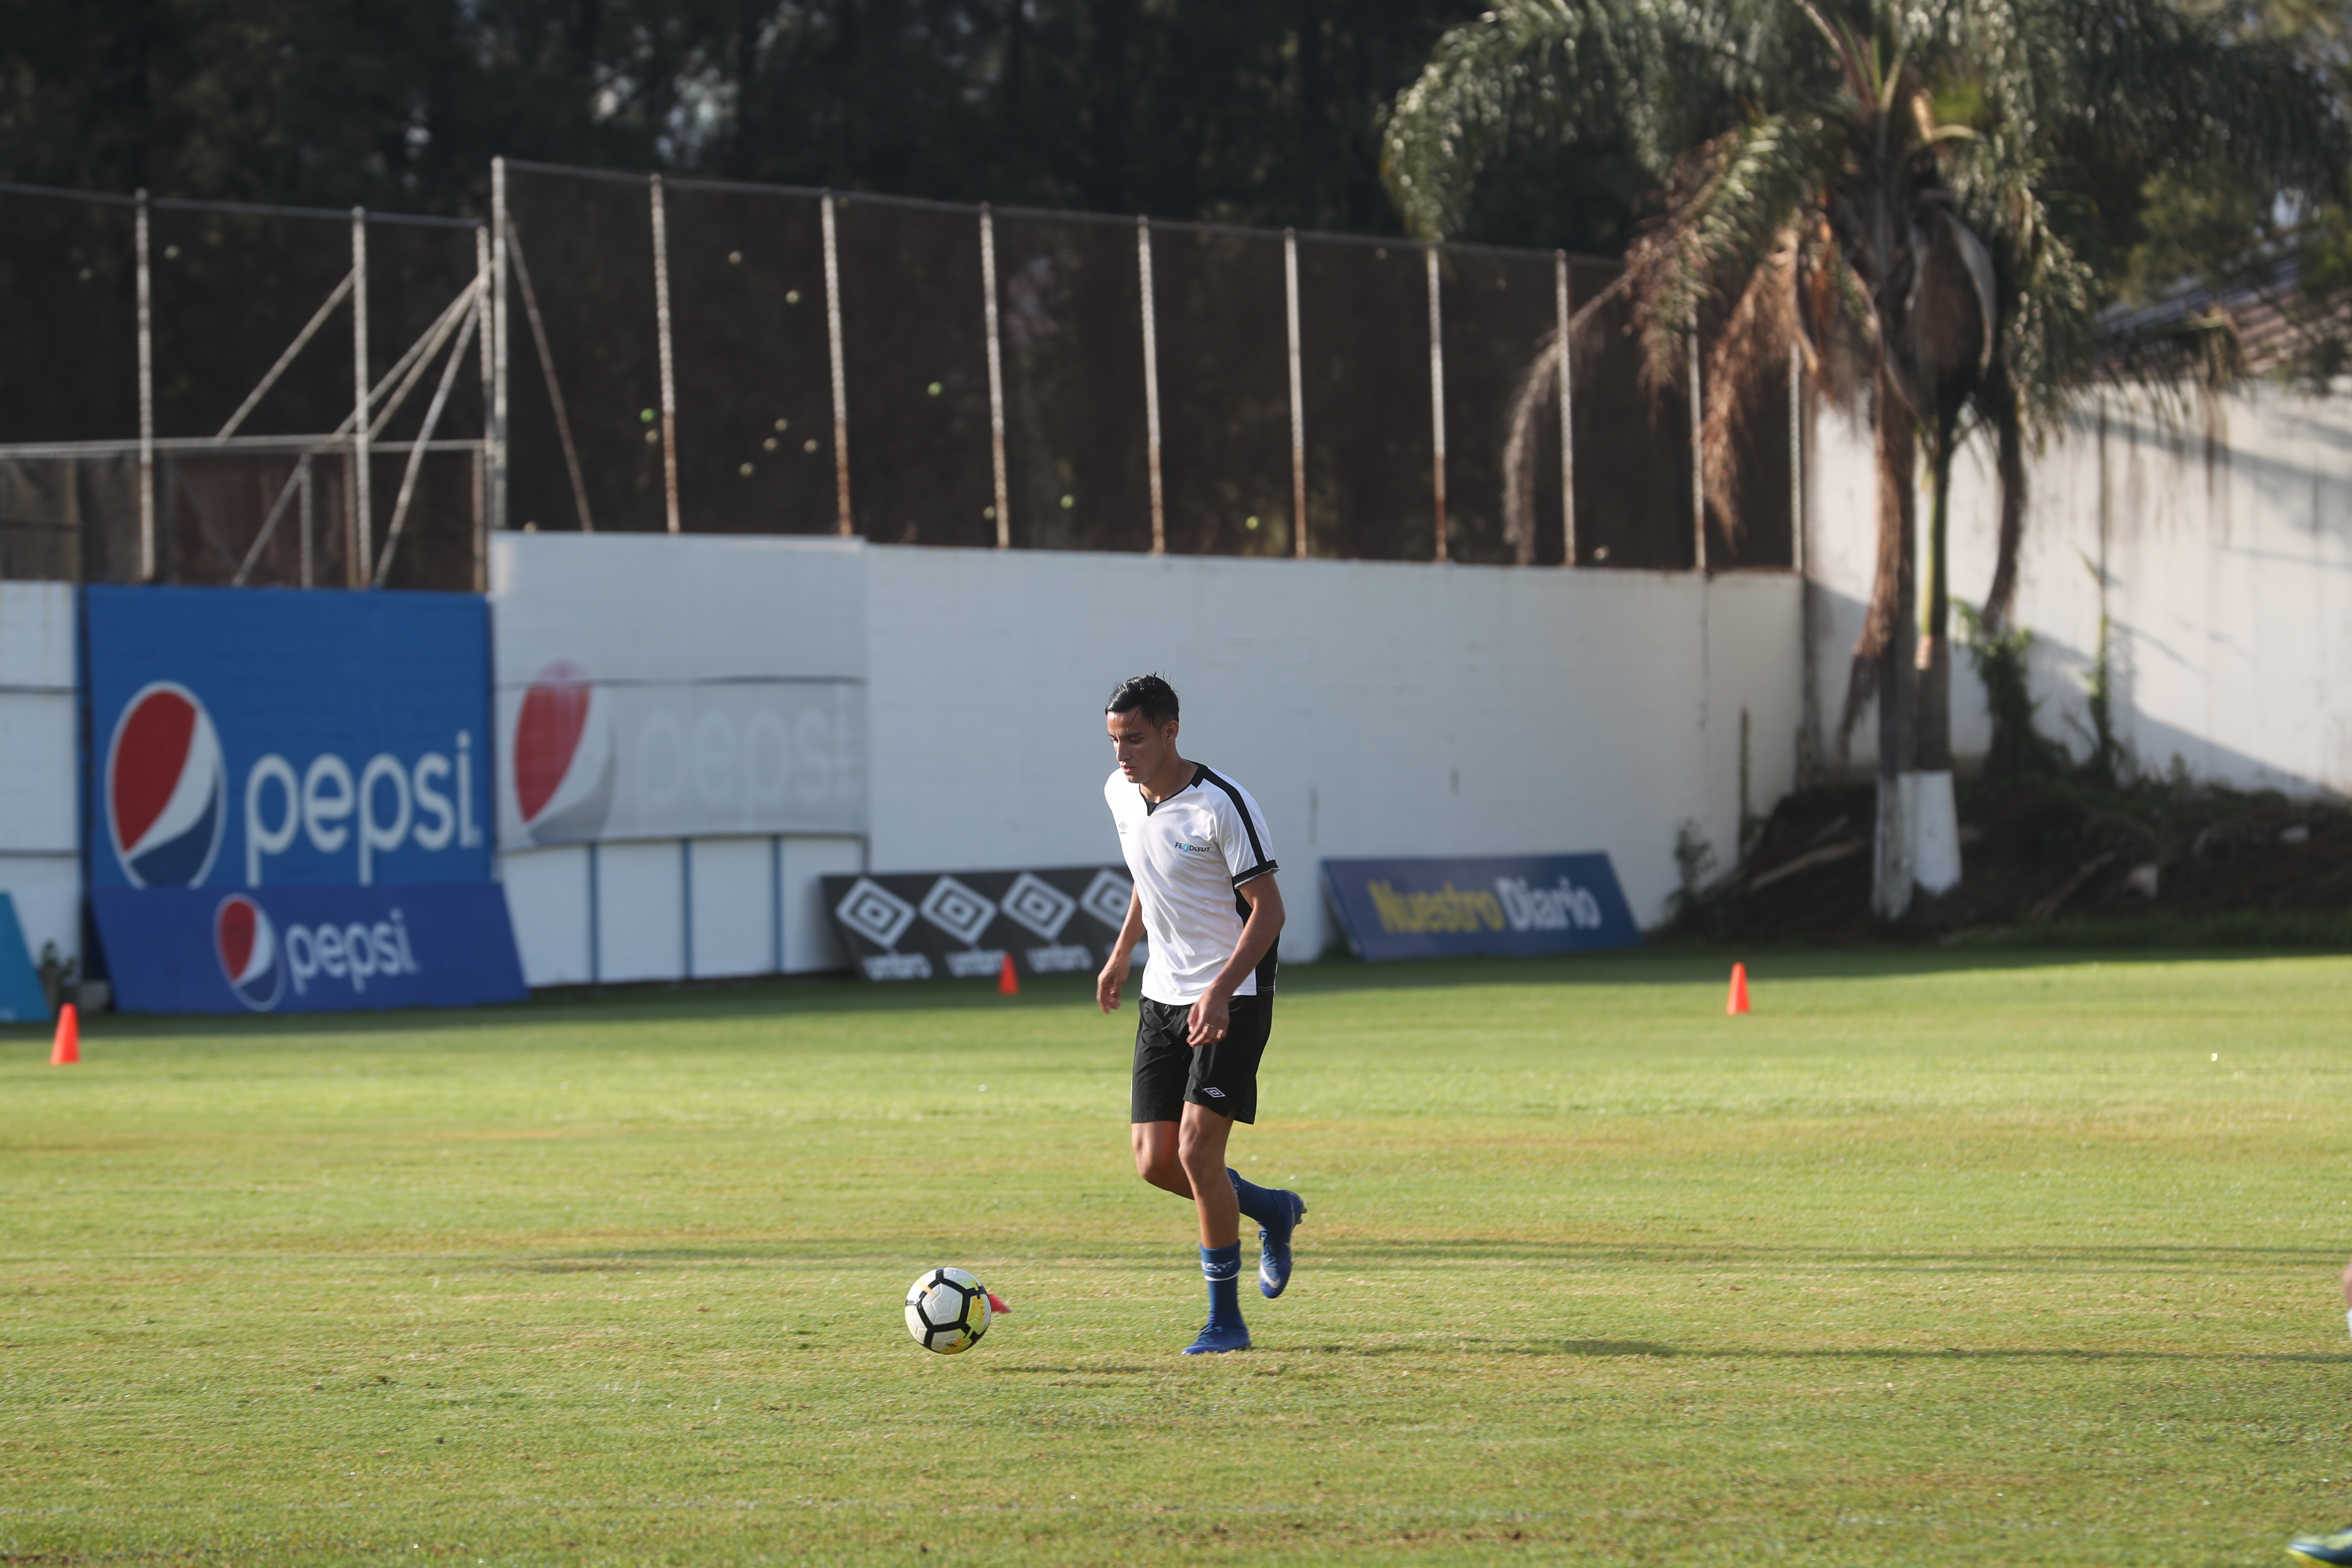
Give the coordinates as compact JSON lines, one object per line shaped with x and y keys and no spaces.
{"x":948,"y":1310}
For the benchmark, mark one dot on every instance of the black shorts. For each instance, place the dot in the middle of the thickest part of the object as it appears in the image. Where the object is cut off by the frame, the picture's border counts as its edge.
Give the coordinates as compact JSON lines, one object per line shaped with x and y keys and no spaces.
{"x":1221,"y":1075}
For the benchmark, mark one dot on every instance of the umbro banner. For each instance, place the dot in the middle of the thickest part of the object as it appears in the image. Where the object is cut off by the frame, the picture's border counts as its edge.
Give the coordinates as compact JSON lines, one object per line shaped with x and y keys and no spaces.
{"x":308,"y":950}
{"x":927,"y":926}
{"x":1432,"y":908}
{"x":246,"y":737}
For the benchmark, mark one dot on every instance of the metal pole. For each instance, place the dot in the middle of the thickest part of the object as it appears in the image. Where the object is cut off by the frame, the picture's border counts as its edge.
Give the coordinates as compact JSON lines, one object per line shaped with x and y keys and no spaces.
{"x":497,"y":344}
{"x":995,"y":381}
{"x":1298,"y":398}
{"x":1436,"y":397}
{"x":1698,"y":459}
{"x":146,"y":405}
{"x":484,"y":302}
{"x":1567,"y":422}
{"x":362,"y":553}
{"x":668,"y":381}
{"x":1151,"y":383}
{"x":302,"y":478}
{"x":840,"y":380}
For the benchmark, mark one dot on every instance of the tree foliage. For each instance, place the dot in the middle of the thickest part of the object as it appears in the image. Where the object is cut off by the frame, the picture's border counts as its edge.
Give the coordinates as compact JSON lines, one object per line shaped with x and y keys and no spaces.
{"x":1262,"y":113}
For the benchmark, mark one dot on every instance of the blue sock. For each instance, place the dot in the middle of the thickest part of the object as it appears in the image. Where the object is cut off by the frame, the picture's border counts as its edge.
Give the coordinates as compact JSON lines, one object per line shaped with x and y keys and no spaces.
{"x":1221,"y":1268}
{"x":1262,"y":1205}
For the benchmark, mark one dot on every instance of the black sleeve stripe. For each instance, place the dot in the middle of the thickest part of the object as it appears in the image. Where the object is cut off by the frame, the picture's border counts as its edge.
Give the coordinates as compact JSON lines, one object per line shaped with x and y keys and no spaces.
{"x":1241,"y":807}
{"x":1254,"y":872}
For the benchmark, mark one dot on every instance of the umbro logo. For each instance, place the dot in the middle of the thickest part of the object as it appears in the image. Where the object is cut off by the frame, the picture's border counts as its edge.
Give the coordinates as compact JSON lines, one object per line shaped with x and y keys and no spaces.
{"x":1214,"y":1093}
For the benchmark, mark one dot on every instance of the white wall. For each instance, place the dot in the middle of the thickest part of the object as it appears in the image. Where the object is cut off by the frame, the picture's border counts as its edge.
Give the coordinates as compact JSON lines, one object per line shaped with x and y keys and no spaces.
{"x":40,"y":868}
{"x":2228,"y":568}
{"x":1373,"y":708}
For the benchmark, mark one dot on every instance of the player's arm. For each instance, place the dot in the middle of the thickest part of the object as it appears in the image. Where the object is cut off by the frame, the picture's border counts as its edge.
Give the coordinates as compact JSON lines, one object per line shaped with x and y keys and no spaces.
{"x":1213,"y":1014}
{"x":1113,"y":978}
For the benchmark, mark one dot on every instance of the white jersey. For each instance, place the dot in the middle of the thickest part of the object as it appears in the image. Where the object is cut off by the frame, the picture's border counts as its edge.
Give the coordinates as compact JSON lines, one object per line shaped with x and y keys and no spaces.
{"x":1188,"y":855}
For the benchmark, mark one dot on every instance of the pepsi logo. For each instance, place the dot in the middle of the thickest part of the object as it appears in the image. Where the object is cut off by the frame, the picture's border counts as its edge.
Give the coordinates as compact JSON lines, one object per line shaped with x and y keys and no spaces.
{"x":246,"y":942}
{"x":166,"y":788}
{"x":562,"y":757}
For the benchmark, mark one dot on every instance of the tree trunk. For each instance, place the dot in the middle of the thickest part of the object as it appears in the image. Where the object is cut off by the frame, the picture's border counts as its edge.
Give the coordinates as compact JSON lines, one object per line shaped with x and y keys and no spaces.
{"x":1934,"y":740}
{"x":1895,"y":430}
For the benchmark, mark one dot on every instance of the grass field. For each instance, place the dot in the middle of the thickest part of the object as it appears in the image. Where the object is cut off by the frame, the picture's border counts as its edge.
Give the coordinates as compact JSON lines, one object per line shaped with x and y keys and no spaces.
{"x":1932,"y":1259}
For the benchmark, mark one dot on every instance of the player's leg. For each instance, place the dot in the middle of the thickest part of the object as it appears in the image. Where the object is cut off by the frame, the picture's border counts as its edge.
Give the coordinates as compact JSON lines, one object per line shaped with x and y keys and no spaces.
{"x":1200,"y":1149}
{"x":1226,"y":1073}
{"x":2335,"y":1548}
{"x":1155,"y":1157}
{"x":1163,"y":1067}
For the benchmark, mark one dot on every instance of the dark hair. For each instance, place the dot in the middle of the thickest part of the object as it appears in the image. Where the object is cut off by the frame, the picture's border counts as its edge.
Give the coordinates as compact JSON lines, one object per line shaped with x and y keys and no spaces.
{"x":1148,"y":692}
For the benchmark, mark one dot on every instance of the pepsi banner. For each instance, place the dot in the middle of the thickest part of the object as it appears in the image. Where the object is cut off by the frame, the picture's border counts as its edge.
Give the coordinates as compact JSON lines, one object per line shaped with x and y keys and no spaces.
{"x":309,"y":949}
{"x":249,"y":737}
{"x":661,"y":686}
{"x":940,"y":926}
{"x":1431,"y":908}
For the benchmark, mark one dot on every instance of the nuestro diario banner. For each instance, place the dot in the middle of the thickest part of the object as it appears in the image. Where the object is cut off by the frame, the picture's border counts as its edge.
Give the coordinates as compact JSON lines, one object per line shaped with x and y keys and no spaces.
{"x":960,"y":925}
{"x":1442,"y":907}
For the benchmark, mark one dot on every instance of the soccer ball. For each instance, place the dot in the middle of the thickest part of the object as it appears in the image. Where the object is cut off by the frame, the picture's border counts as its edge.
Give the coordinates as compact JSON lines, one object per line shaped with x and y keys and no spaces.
{"x":947,"y":1310}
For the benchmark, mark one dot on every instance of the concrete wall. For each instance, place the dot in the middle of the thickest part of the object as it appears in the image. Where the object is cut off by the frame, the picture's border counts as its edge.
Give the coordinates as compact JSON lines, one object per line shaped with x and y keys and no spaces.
{"x":40,"y":868}
{"x":2226,"y":557}
{"x":1373,"y":708}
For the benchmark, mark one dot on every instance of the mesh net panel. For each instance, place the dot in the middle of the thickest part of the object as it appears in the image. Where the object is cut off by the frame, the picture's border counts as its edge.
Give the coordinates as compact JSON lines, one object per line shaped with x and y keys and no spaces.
{"x":1223,"y":342}
{"x":67,"y":270}
{"x":752,"y":362}
{"x":1499,"y":314}
{"x":1364,"y":339}
{"x":588,"y":244}
{"x":1072,"y":339}
{"x":915,"y":341}
{"x":1633,"y":450}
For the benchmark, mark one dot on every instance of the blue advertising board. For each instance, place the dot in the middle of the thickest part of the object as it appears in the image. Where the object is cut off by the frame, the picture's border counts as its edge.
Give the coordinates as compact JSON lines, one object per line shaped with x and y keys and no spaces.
{"x":308,"y":950}
{"x":252,"y":737}
{"x":22,"y":1000}
{"x":1433,"y":908}
{"x":333,"y":744}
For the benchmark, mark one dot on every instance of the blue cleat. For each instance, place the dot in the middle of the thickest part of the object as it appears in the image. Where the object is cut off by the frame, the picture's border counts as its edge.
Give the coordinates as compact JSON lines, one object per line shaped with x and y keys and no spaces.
{"x":1273,"y":1249}
{"x":1217,"y":1338}
{"x":2335,"y":1548}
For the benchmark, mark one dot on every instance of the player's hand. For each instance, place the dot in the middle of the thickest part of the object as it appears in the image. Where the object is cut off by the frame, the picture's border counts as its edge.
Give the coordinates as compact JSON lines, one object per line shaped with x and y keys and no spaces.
{"x":1212,"y":1015}
{"x":1110,"y":983}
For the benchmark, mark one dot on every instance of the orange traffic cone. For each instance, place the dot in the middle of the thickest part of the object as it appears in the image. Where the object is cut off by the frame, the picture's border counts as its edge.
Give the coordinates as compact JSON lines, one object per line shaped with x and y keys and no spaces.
{"x":1008,"y":983}
{"x":67,"y":1049}
{"x":1737,"y":1002}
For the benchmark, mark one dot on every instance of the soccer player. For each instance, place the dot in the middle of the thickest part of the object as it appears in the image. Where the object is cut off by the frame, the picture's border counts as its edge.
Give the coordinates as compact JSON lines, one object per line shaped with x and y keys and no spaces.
{"x":1203,"y":866}
{"x":2335,"y":1548}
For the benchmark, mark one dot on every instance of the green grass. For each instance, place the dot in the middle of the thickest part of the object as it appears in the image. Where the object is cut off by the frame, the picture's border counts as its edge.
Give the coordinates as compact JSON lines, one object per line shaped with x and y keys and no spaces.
{"x":1950,"y":1258}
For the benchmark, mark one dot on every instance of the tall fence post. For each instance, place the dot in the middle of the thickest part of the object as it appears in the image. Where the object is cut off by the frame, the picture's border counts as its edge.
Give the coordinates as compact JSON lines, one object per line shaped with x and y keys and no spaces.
{"x":495,"y":344}
{"x":995,"y":381}
{"x":1436,"y":398}
{"x":146,"y":402}
{"x":484,"y":303}
{"x":840,"y":381}
{"x":668,"y":379}
{"x":1297,"y":397}
{"x":360,"y":552}
{"x":1698,"y":458}
{"x":1150,"y":382}
{"x":1567,"y":419}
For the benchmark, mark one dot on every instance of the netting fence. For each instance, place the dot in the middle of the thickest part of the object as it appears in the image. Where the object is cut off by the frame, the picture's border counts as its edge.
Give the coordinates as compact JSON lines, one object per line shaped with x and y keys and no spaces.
{"x":221,"y":394}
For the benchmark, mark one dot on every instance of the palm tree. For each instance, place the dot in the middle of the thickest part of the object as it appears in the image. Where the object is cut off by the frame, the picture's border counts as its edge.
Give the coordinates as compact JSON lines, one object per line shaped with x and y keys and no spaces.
{"x":1901,"y":192}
